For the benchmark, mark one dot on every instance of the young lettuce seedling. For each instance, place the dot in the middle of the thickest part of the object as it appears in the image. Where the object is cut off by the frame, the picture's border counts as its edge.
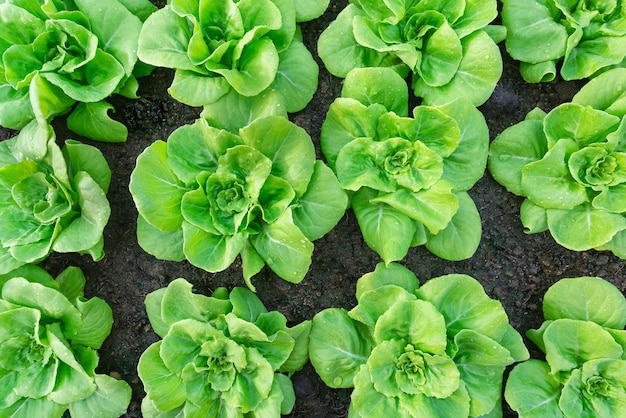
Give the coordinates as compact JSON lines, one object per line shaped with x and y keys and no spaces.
{"x":55,"y":54}
{"x":584,"y":37}
{"x":570,"y":165}
{"x":408,"y":175}
{"x":221,"y":45}
{"x":583,"y":338}
{"x":209,"y":195}
{"x":444,"y":45}
{"x":439,"y":350}
{"x":49,"y":337}
{"x":220,"y":355}
{"x":53,"y":199}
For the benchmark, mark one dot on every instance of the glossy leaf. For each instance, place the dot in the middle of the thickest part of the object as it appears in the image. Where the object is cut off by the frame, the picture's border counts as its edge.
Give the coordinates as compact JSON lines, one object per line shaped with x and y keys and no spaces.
{"x":385,"y":229}
{"x":337,"y":350}
{"x":586,"y":299}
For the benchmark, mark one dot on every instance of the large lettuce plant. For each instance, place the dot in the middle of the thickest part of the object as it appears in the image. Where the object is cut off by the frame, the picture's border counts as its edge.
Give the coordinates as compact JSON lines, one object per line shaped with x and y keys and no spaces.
{"x":222,"y":355}
{"x":582,"y":36}
{"x":443,"y":45}
{"x":49,"y":337}
{"x":57,"y":53}
{"x":438,"y":350}
{"x":583,"y":338}
{"x":247,"y":46}
{"x":408,"y":175}
{"x":209,"y":194}
{"x":570,"y":165}
{"x":51,"y":199}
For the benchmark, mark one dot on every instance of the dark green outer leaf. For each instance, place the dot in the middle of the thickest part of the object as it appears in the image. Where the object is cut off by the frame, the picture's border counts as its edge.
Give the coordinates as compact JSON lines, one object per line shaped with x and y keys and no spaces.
{"x":532,"y":391}
{"x":465,"y":305}
{"x":164,"y":245}
{"x":296,"y":76}
{"x":531,"y":23}
{"x":52,"y":304}
{"x":459,"y":240}
{"x":117,"y":30}
{"x":309,"y":9}
{"x":466,"y":165}
{"x":97,"y":323}
{"x":111,"y":399}
{"x":570,"y":343}
{"x":246,"y":305}
{"x":140,"y":8}
{"x":584,"y":227}
{"x":586,"y":299}
{"x":211,"y":252}
{"x":517,"y":146}
{"x":592,"y":55}
{"x":377,"y":85}
{"x":339,"y":50}
{"x":164,"y":389}
{"x":476,"y":15}
{"x":156,"y":190}
{"x":481,"y":362}
{"x":15,"y":108}
{"x":321,"y":207}
{"x":548,"y":182}
{"x":385,"y":229}
{"x":234,"y":111}
{"x":163,"y":40}
{"x":605,"y":92}
{"x":91,"y":120}
{"x":285,"y":249}
{"x":82,"y":157}
{"x":35,"y":274}
{"x":336,"y":348}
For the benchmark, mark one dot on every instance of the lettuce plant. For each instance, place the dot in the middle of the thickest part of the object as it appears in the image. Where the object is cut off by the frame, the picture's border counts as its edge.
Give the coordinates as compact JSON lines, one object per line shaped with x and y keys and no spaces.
{"x":222,"y":355}
{"x":247,"y":46}
{"x":584,"y":342}
{"x":409,"y":174}
{"x":51,"y":199}
{"x":583,"y":36}
{"x":439,"y":350}
{"x":443,"y":45}
{"x":49,"y":337}
{"x":570,"y":165}
{"x":57,"y":53}
{"x":209,"y":194}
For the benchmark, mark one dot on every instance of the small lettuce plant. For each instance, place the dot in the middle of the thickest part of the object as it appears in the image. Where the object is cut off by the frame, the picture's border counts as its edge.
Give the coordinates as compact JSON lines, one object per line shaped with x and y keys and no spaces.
{"x":570,"y":165}
{"x":222,"y":355}
{"x":439,"y":350}
{"x":443,"y":44}
{"x":247,"y":46}
{"x":208,"y":195}
{"x":51,"y":198}
{"x":408,"y":175}
{"x":583,"y":338}
{"x":55,"y":54}
{"x":583,"y":37}
{"x":49,"y":337}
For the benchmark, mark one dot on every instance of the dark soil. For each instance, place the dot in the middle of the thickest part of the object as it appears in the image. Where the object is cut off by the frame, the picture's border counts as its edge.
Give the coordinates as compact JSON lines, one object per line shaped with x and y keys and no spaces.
{"x":514,"y":268}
